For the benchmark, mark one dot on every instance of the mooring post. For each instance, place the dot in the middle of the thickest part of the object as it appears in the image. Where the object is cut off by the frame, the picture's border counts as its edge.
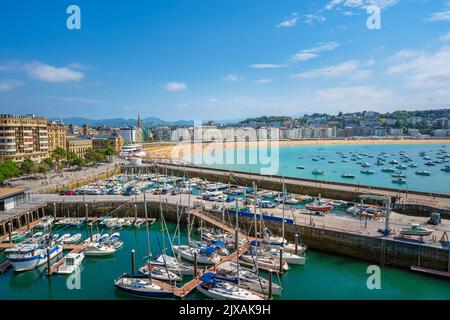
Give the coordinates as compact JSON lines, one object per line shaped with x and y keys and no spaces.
{"x":296,"y":243}
{"x":420,"y":249}
{"x":281,"y":260}
{"x":90,"y":231}
{"x":133,"y":265}
{"x":270,"y":284}
{"x":54,"y":209}
{"x":135,"y":212}
{"x":49,"y":271}
{"x":10,"y":232}
{"x":195,"y":264}
{"x":27,"y":219}
{"x":86,"y":207}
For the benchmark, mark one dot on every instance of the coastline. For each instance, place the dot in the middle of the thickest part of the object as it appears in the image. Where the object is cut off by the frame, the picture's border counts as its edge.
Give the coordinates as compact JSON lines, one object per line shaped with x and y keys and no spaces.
{"x":178,"y":151}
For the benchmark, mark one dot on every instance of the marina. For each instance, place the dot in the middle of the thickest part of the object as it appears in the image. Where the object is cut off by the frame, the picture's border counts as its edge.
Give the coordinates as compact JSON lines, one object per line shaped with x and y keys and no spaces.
{"x":216,"y":209}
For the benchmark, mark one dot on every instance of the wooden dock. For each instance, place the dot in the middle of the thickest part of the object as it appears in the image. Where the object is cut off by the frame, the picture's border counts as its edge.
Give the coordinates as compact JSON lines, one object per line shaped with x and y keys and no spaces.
{"x":21,"y":229}
{"x":187,"y":288}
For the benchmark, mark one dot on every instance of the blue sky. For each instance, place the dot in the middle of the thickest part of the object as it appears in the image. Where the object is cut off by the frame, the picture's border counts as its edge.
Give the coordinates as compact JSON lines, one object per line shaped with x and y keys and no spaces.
{"x":222,"y":59}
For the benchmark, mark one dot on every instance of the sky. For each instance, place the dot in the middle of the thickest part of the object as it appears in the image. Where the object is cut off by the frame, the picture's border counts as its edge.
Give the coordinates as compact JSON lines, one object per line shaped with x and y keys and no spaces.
{"x":222,"y":59}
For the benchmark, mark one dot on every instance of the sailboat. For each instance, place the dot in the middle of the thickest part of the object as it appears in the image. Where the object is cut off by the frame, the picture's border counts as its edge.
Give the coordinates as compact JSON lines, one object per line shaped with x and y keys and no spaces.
{"x":248,"y":278}
{"x":172,"y":264}
{"x":143,"y":285}
{"x":222,"y":288}
{"x":160,"y":273}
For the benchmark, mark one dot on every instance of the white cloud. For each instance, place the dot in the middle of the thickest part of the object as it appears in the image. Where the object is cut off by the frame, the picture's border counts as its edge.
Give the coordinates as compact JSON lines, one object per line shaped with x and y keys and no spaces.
{"x":445,"y":37}
{"x":313,"y":52}
{"x":8,"y":85}
{"x":44,"y":72}
{"x":426,"y":70}
{"x":440,"y":16}
{"x":311,"y":18}
{"x":348,"y":68}
{"x":263,"y":81}
{"x":175,"y":86}
{"x":360,"y":4}
{"x":233,"y":78}
{"x":289,"y":22}
{"x":266,"y":66}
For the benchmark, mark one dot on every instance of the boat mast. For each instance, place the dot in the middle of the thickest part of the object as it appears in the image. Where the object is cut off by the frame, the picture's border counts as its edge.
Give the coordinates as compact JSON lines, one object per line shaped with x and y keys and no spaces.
{"x":149,"y":263}
{"x":282,"y":225}
{"x":255,"y":189}
{"x":189,"y":211}
{"x":237,"y":240}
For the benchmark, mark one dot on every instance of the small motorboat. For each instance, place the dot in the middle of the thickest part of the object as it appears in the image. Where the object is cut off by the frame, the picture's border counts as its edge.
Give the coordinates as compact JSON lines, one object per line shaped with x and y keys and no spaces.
{"x":315,"y":206}
{"x":138,"y":223}
{"x":368,"y":172}
{"x":318,"y":172}
{"x":73,"y":239}
{"x":416,"y":230}
{"x":97,"y":249}
{"x":301,"y":167}
{"x":399,"y":181}
{"x":72,"y":261}
{"x":423,"y":173}
{"x":348,"y":176}
{"x":45,"y":222}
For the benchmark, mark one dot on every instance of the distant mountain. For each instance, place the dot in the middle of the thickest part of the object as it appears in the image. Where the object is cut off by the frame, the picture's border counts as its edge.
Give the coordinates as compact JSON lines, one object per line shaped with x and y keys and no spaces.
{"x":149,"y":122}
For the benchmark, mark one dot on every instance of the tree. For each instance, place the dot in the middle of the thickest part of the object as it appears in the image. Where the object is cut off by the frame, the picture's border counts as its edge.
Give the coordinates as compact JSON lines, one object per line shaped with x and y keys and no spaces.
{"x":27,"y":166}
{"x":94,"y":156}
{"x":78,"y":162}
{"x":48,"y":161}
{"x":43,"y":167}
{"x":9,"y":169}
{"x":58,"y":154}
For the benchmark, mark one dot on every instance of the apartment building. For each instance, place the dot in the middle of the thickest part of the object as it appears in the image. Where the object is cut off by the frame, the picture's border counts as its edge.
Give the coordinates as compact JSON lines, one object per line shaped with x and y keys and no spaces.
{"x":79,"y":145}
{"x":56,"y":135}
{"x":23,"y":137}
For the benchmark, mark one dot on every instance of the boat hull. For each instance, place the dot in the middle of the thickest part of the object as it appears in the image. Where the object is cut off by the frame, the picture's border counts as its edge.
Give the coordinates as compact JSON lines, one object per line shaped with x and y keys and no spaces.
{"x":30,"y":263}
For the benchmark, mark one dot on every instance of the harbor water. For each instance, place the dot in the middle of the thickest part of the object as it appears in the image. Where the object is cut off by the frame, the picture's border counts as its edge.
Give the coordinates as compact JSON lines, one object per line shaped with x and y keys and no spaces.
{"x":324,"y":276}
{"x":329,"y":160}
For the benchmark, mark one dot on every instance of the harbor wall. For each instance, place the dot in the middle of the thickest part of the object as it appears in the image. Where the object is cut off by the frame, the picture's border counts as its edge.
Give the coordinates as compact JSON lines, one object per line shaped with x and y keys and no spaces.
{"x":378,"y":250}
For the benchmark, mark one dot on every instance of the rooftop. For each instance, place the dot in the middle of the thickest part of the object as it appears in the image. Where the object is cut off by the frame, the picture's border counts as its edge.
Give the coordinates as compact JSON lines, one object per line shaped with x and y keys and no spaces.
{"x":8,"y":192}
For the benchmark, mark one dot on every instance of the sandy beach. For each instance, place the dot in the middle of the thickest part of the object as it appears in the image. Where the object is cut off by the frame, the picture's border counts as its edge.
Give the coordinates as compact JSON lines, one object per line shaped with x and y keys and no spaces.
{"x":177,"y":151}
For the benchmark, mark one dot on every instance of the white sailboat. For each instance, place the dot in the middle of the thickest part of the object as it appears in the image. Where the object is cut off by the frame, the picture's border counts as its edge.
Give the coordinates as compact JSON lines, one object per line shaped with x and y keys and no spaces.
{"x":220,"y":288}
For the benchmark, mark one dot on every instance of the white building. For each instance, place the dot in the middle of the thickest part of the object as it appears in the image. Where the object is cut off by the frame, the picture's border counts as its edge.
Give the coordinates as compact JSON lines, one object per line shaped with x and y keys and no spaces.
{"x":11,"y":198}
{"x":129,"y":134}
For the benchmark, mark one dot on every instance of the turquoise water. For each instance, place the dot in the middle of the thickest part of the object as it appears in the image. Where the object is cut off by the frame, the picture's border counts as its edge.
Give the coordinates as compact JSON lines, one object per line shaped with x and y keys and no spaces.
{"x":438,"y":182}
{"x":324,"y":276}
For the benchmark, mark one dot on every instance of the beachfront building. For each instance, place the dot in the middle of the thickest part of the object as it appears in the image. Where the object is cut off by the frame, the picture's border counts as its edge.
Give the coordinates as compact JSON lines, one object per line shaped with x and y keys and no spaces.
{"x":163,"y":134}
{"x":23,"y":137}
{"x":79,"y":145}
{"x":396,"y":132}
